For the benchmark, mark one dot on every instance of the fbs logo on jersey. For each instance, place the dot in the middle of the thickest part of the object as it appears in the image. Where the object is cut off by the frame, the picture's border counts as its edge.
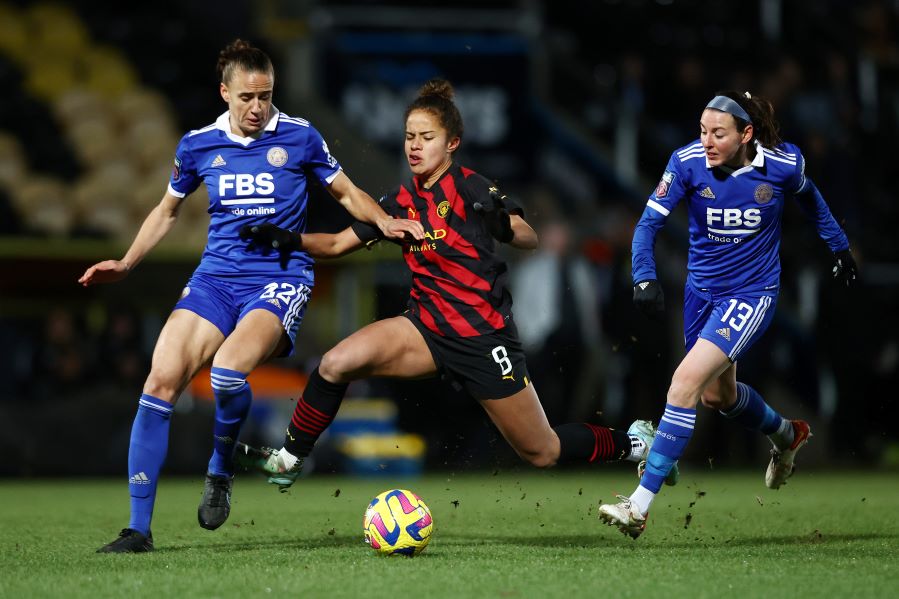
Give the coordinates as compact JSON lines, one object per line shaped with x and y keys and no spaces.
{"x":724,"y":332}
{"x":665,"y":184}
{"x":219,"y":161}
{"x":707,"y":193}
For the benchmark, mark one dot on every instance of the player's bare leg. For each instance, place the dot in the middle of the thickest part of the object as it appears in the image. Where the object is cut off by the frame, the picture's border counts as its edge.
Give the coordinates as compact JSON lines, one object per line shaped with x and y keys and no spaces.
{"x":391,"y":348}
{"x":521,"y":420}
{"x":186,"y":342}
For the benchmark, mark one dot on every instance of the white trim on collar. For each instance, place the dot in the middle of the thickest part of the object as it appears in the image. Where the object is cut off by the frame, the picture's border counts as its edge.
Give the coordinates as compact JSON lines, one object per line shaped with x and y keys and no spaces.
{"x":223,"y":123}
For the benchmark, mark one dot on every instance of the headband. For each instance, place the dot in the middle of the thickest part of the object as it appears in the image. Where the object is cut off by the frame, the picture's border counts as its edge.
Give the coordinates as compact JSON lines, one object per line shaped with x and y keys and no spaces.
{"x":725,"y":104}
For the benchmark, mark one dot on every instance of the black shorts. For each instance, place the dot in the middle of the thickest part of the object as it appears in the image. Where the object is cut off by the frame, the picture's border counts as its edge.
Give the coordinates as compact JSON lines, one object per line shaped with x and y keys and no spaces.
{"x":488,"y":366}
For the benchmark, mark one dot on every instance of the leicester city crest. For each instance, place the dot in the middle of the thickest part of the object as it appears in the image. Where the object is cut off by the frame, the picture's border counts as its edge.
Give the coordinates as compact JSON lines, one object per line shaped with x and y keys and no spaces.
{"x":764,"y":193}
{"x":277,"y":156}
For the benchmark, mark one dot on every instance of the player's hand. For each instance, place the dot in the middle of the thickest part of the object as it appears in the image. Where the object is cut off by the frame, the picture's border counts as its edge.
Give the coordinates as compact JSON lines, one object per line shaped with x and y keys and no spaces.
{"x":649,"y":299}
{"x":844,"y":268}
{"x":402,"y":229}
{"x":108,"y":271}
{"x":269,"y":237}
{"x":496,"y":216}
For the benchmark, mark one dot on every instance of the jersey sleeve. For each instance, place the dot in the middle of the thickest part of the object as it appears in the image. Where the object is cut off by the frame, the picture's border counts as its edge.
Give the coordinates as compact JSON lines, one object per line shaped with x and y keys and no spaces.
{"x":318,"y":158}
{"x":478,"y":188}
{"x":185,"y":179}
{"x":672,"y":187}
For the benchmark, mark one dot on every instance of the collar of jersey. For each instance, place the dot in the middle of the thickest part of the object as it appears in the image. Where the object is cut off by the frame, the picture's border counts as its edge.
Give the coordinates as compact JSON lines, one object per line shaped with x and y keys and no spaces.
{"x":757,"y":162}
{"x":223,"y":123}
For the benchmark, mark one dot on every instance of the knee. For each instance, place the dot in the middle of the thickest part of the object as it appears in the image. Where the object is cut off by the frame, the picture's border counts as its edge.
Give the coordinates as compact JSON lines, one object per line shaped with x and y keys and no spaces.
{"x":335,"y":366}
{"x":681,"y":394}
{"x":164,"y":386}
{"x":541,"y":451}
{"x":538,"y":458}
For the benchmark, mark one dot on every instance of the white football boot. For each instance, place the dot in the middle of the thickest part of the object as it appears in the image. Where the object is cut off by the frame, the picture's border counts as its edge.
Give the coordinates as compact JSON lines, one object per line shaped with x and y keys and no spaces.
{"x":625,"y":516}
{"x":781,"y":466}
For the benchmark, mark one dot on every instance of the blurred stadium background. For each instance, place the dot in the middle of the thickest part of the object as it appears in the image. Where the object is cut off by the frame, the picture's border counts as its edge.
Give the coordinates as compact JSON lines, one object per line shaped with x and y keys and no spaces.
{"x":572,"y":106}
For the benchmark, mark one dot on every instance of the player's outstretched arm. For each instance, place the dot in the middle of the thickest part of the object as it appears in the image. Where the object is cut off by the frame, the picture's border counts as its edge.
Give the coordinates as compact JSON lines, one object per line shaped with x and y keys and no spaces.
{"x":157,"y":224}
{"x":269,"y":237}
{"x":364,"y":208}
{"x":331,"y":245}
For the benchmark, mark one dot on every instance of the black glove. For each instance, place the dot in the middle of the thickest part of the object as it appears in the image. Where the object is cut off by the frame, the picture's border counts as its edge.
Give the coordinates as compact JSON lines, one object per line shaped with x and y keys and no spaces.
{"x":496,"y":216}
{"x":649,"y":299}
{"x":844,"y":268}
{"x":267,"y":237}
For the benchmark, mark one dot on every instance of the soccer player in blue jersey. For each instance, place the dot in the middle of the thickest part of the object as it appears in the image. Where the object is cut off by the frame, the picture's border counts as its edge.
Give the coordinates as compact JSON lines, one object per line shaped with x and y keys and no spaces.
{"x":735,"y":180}
{"x":459,"y":321}
{"x":240,"y":307}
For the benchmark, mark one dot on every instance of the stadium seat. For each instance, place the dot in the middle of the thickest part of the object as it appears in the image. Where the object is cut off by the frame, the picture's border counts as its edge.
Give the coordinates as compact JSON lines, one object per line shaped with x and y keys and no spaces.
{"x":45,"y":207}
{"x":12,"y":161}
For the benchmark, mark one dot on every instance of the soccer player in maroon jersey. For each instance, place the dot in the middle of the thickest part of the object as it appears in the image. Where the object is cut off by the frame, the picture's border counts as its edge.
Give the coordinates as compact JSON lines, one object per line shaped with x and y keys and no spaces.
{"x":459,"y":318}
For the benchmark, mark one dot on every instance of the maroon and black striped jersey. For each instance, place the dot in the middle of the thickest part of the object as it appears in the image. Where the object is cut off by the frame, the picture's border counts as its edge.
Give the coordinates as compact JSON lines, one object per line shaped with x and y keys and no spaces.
{"x":459,"y":282}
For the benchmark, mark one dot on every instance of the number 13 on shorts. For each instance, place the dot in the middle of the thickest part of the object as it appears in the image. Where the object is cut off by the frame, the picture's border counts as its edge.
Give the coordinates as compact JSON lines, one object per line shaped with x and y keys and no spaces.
{"x":736,"y":323}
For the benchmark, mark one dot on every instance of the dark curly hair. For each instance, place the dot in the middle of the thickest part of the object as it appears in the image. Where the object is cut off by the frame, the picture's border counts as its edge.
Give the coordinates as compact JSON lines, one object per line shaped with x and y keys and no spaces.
{"x":436,"y":97}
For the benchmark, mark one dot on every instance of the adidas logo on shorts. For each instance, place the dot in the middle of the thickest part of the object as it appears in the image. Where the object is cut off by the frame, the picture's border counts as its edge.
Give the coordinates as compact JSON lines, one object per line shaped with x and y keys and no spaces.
{"x":724,"y":332}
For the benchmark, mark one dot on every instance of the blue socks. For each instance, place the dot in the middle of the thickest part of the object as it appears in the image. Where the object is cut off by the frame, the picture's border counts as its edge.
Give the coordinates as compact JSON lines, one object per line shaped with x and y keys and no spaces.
{"x":233,"y":397}
{"x":672,"y":436}
{"x":751,"y":411}
{"x":146,"y":454}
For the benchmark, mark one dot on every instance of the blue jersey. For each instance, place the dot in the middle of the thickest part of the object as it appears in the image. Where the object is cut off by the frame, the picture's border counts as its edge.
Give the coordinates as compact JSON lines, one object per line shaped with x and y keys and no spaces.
{"x":735,"y":217}
{"x":252,"y":181}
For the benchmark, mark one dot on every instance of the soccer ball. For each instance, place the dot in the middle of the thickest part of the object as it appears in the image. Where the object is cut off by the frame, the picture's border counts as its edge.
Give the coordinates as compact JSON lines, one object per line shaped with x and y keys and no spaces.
{"x":397,"y":522}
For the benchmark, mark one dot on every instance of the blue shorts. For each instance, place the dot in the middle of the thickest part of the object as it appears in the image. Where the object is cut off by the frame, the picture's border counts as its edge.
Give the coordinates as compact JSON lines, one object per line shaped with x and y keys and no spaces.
{"x":223,"y":301}
{"x":732,"y":322}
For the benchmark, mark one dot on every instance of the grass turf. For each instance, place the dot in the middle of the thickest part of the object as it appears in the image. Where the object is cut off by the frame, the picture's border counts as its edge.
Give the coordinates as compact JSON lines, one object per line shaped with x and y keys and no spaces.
{"x":512,"y":534}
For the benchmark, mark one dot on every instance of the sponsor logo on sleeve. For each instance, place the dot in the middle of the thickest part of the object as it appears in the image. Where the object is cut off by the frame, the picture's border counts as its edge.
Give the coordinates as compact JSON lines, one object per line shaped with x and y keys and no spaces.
{"x":176,"y":172}
{"x":664,"y":184}
{"x":331,"y":160}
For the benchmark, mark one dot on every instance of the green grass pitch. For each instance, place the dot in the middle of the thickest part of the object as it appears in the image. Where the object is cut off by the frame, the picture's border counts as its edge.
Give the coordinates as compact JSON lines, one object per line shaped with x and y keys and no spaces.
{"x":509,"y":534}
